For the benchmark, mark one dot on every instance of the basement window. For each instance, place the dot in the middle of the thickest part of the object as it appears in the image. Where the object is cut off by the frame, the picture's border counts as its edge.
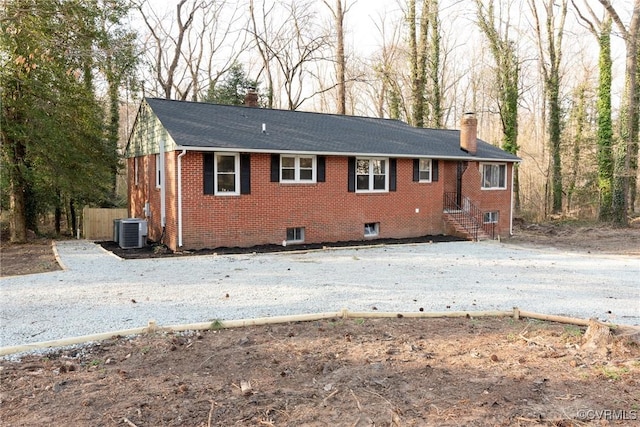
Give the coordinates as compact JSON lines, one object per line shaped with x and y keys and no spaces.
{"x":295,"y":235}
{"x":371,"y":229}
{"x":491,"y":217}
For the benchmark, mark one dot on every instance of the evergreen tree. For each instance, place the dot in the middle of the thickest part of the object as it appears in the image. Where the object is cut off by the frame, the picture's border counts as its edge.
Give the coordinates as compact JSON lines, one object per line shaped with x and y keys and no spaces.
{"x":54,"y":153}
{"x":116,"y":60}
{"x":233,"y":88}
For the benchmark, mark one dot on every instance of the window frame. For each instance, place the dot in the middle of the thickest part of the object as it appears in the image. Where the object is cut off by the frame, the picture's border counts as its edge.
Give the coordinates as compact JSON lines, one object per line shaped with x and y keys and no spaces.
{"x":236,"y":173}
{"x":420,"y":170}
{"x":372,"y":175}
{"x":136,"y":171}
{"x":297,"y":168}
{"x":158,"y":171}
{"x":491,"y":217}
{"x":376,"y":229}
{"x":295,"y":231}
{"x":501,"y":177}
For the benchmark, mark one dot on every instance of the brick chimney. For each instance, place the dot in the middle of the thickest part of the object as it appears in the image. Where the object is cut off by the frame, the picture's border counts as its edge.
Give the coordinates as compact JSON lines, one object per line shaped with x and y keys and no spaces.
{"x":469,"y":133}
{"x":251,"y":98}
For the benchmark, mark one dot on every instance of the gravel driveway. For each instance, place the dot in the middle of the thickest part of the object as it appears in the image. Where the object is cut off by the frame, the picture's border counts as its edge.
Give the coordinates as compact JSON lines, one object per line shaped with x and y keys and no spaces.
{"x":99,"y":292}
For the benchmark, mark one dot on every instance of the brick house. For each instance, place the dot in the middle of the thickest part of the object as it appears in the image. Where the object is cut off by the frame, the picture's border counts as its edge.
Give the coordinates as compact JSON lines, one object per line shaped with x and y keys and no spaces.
{"x":208,"y":176}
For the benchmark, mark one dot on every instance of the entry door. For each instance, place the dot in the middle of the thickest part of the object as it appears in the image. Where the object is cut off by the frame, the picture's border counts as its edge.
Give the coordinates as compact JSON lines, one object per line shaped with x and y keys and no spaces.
{"x":462,"y":166}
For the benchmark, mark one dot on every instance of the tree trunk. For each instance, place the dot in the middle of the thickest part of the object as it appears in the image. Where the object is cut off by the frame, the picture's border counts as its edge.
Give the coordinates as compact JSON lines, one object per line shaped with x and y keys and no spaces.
{"x":435,"y":99}
{"x":605,"y":128}
{"x":579,"y":121}
{"x":555,"y":127}
{"x":72,"y":214}
{"x":341,"y":62}
{"x":58,"y":219}
{"x":417,"y":54}
{"x":550,"y":62}
{"x":113,"y":128}
{"x":15,"y":152}
{"x":507,"y":79}
{"x":626,"y":165}
{"x":17,"y":221}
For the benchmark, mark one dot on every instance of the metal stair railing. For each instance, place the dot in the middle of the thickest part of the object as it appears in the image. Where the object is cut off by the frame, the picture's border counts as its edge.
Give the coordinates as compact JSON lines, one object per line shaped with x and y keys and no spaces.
{"x":468,"y":215}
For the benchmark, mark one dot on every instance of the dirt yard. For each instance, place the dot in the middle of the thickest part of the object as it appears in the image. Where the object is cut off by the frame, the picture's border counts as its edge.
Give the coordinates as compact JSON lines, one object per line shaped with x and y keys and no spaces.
{"x":581,"y":238}
{"x":336,"y":372}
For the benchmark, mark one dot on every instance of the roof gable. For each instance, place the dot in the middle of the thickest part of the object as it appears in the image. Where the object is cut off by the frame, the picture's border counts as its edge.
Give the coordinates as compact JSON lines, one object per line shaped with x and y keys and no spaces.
{"x":204,"y":126}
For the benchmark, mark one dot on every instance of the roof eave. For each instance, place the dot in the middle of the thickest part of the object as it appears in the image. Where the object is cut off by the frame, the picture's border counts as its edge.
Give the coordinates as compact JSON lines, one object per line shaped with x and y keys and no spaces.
{"x":345,"y":153}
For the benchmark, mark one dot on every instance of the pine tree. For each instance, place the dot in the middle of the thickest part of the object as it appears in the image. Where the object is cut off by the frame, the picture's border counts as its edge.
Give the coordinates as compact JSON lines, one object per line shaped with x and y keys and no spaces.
{"x":233,"y":88}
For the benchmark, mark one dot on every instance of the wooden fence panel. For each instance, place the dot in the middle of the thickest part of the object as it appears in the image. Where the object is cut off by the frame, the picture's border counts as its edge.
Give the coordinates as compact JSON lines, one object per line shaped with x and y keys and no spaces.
{"x":98,"y":222}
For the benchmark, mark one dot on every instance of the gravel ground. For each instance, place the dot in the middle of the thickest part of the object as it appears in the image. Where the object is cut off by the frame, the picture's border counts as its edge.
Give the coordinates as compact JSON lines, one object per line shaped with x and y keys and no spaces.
{"x":99,"y":292}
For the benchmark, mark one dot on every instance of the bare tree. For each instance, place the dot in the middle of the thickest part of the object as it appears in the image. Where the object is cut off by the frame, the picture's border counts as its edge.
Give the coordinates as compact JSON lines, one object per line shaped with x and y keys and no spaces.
{"x":221,"y":27}
{"x":185,"y":45}
{"x":388,"y":94}
{"x":418,"y":36}
{"x":291,"y":43}
{"x":627,"y":162}
{"x":550,"y":49}
{"x":168,"y":50}
{"x":424,"y":60}
{"x":434,"y":98}
{"x":262,"y":36}
{"x":338,"y":17}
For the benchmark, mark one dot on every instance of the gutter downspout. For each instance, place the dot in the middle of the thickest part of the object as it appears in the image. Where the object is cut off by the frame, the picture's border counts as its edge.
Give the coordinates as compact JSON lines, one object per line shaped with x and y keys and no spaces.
{"x":513,"y":165}
{"x":163,"y":192}
{"x":180,"y":197}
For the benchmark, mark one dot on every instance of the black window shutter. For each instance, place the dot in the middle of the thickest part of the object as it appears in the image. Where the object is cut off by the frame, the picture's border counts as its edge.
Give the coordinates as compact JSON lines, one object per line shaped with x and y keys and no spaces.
{"x":416,"y":170}
{"x":393,"y":166}
{"x":245,"y":174}
{"x":208,"y":168}
{"x":275,"y":168}
{"x":434,"y":170}
{"x":351,"y":175}
{"x":321,"y":165}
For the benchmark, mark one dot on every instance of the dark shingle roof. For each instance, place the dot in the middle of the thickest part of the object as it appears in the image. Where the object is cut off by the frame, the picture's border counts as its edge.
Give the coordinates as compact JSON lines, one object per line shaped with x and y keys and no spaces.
{"x":212,"y":126}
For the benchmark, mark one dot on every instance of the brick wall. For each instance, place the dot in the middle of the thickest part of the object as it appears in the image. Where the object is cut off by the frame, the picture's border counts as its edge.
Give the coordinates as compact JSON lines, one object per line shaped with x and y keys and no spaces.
{"x":486,"y":200}
{"x":145,"y":191}
{"x":326,"y":210}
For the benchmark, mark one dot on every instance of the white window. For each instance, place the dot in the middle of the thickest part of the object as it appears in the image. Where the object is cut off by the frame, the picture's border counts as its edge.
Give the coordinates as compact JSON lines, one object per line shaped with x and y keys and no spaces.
{"x":136,"y":171}
{"x":227,"y":176}
{"x":424,"y":172}
{"x":371,"y":229}
{"x":491,"y":217}
{"x":158,"y":171}
{"x":295,"y":235}
{"x":298,"y":169}
{"x":494,"y":176}
{"x":371,"y":175}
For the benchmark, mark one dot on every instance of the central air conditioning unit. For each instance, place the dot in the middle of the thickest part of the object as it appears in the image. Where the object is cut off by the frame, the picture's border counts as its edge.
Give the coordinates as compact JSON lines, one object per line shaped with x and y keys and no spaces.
{"x":116,"y":229}
{"x":132,"y":233}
